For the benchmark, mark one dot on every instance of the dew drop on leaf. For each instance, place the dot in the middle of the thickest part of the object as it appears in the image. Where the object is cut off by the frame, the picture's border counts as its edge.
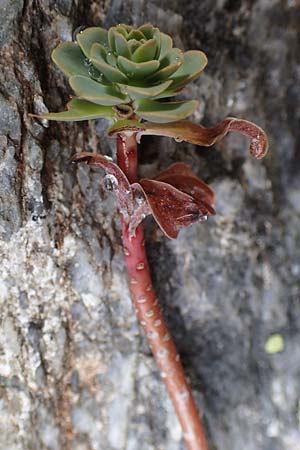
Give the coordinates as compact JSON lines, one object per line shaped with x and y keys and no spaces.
{"x":87,"y":62}
{"x":95,"y":74}
{"x":77,"y":31}
{"x":110,"y":182}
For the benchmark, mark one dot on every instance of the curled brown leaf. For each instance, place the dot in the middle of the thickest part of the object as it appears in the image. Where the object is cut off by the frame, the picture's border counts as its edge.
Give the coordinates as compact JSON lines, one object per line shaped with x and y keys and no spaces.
{"x":115,"y":178}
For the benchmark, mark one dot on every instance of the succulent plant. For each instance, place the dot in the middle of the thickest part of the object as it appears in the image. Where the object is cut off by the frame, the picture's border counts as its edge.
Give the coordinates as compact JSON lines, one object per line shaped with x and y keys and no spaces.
{"x":124,"y":72}
{"x":125,"y":75}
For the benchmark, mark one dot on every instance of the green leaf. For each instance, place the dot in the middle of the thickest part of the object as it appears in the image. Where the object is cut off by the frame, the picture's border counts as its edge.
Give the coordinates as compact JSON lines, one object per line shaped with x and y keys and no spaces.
{"x":122,"y":125}
{"x":89,"y":36}
{"x":111,"y":39}
{"x":163,"y":74}
{"x":121,"y":44}
{"x":135,"y":34}
{"x":159,"y":112}
{"x":133,"y":45}
{"x":145,"y":52}
{"x":126,"y":27}
{"x":98,"y":60}
{"x":137,"y":92}
{"x":147,"y":29}
{"x":122,"y":30}
{"x":137,"y":70}
{"x":167,"y":93}
{"x":79,"y":109}
{"x":156,"y":36}
{"x":174,"y":56}
{"x":166,"y":45}
{"x":95,"y":92}
{"x":193,"y":63}
{"x":70,"y":59}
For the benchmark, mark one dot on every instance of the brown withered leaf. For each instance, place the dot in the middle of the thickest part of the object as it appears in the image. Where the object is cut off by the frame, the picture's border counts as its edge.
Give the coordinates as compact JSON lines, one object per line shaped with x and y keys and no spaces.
{"x":200,"y":135}
{"x":117,"y":180}
{"x":183,"y":178}
{"x":172,"y":208}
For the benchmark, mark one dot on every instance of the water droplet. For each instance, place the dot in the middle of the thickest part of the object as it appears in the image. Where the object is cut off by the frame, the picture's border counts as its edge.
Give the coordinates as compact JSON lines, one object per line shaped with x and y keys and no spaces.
{"x":152,"y":334}
{"x":95,"y":74}
{"x":178,"y":139}
{"x":140,"y":266}
{"x":141,"y":300}
{"x":77,"y":31}
{"x":109,"y":53}
{"x":139,"y":197}
{"x":163,"y":353}
{"x":163,"y":374}
{"x":109,"y":158}
{"x":133,"y":281}
{"x":149,"y":313}
{"x":149,"y":287}
{"x":110,"y":182}
{"x":143,"y":323}
{"x":126,"y":252}
{"x":87,"y":62}
{"x":184,"y":395}
{"x":202,"y":218}
{"x":157,"y":323}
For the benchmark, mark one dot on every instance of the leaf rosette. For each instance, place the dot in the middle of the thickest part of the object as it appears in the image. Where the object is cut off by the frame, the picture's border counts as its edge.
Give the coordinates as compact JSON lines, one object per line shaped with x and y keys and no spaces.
{"x":126,"y":73}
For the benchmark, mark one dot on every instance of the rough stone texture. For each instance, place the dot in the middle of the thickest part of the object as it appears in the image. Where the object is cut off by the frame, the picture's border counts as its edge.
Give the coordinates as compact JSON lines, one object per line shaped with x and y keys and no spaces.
{"x":75,"y":370}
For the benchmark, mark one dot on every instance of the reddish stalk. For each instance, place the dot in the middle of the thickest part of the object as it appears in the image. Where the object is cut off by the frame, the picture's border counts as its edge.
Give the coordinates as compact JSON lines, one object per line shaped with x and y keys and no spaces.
{"x":150,"y":314}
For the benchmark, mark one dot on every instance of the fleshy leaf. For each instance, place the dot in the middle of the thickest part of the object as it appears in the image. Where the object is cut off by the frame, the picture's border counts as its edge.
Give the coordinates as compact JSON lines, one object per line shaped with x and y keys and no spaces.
{"x":135,"y":34}
{"x":137,"y":92}
{"x":95,"y":92}
{"x":199,"y":135}
{"x":183,"y":178}
{"x":121,"y":45}
{"x":166,"y":45}
{"x":70,"y":59}
{"x":193,"y":63}
{"x":145,"y":52}
{"x":159,"y":112}
{"x":137,"y":70}
{"x":171,"y":208}
{"x":167,"y":70}
{"x":122,"y":29}
{"x":89,"y":36}
{"x":147,"y":29}
{"x":118,"y":180}
{"x":174,"y":56}
{"x":79,"y":109}
{"x":167,"y":93}
{"x":112,"y":73}
{"x":111,"y":39}
{"x":124,"y":125}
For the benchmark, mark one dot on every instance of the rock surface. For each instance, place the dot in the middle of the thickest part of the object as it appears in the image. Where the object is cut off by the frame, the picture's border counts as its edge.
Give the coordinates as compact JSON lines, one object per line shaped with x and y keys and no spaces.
{"x":75,"y":370}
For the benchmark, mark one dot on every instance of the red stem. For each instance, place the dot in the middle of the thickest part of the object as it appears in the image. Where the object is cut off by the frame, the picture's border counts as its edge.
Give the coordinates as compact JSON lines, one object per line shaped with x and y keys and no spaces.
{"x":150,"y":314}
